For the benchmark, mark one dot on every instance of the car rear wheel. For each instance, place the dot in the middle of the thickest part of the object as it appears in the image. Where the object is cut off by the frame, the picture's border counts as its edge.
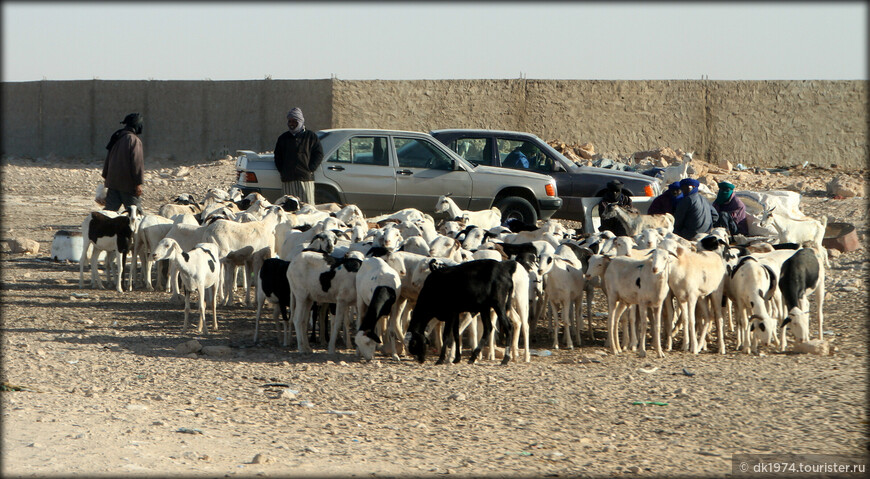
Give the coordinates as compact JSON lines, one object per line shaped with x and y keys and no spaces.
{"x":514,"y":207}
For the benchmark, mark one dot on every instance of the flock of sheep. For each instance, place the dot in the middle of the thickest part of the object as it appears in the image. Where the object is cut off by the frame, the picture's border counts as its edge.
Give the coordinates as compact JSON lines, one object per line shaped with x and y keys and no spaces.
{"x":392,"y":275}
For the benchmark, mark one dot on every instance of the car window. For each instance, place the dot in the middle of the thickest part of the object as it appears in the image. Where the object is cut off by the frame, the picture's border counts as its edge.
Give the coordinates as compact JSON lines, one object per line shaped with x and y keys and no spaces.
{"x":474,"y":150}
{"x":362,"y":150}
{"x":521,"y":154}
{"x":416,"y":153}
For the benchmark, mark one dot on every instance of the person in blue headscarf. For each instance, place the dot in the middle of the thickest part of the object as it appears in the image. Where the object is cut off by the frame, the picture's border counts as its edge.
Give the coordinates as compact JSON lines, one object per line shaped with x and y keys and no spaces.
{"x":667,"y":201}
{"x":693,"y":213}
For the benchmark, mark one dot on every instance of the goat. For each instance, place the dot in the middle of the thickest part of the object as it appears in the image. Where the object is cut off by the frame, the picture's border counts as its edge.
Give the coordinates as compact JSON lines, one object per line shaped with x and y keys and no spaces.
{"x":634,"y":223}
{"x":200,"y":270}
{"x":378,"y":286}
{"x":801,"y":274}
{"x":151,"y":230}
{"x":273,"y":285}
{"x":319,"y":278}
{"x":485,"y":219}
{"x":476,"y":287}
{"x":109,"y":234}
{"x":791,"y":230}
{"x":230,"y":236}
{"x":750,"y":284}
{"x":691,"y":278}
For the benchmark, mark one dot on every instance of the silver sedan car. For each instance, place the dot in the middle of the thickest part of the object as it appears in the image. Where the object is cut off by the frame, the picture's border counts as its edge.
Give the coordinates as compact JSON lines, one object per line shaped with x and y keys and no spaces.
{"x":382,"y":171}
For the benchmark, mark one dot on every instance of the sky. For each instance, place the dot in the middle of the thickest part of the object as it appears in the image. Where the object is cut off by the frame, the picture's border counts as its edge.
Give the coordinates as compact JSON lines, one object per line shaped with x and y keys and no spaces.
{"x":434,"y":40}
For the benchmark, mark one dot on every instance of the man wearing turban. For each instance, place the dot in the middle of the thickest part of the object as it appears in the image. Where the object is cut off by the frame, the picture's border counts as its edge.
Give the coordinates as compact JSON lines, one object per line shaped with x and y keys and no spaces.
{"x":298,"y":154}
{"x":727,"y":202}
{"x":693,"y":213}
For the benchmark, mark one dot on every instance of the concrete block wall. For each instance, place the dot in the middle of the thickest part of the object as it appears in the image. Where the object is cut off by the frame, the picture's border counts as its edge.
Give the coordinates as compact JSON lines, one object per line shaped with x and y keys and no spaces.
{"x":757,"y":123}
{"x":188,"y":121}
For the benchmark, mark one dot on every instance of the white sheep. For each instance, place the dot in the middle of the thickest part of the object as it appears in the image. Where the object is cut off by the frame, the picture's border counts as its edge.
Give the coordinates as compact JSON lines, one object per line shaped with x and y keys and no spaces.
{"x":378,"y":287}
{"x":319,"y":278}
{"x":485,"y":218}
{"x":200,"y":271}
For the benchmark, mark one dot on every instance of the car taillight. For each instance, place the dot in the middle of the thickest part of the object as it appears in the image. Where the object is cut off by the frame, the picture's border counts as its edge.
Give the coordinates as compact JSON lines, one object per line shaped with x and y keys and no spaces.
{"x":648,"y":190}
{"x":249,"y":177}
{"x":550,"y":189}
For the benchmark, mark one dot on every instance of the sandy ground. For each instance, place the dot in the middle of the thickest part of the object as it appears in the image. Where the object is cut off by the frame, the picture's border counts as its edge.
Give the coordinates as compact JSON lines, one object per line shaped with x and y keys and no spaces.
{"x":109,"y":395}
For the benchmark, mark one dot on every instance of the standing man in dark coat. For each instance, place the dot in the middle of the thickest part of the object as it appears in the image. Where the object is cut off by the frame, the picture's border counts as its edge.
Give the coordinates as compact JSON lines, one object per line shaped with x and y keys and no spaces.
{"x":298,"y":153}
{"x":124,"y":168}
{"x":693,"y":214}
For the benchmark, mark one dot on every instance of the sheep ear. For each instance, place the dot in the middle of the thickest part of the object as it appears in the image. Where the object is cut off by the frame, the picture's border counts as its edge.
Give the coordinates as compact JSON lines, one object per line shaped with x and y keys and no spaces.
{"x":785,"y":321}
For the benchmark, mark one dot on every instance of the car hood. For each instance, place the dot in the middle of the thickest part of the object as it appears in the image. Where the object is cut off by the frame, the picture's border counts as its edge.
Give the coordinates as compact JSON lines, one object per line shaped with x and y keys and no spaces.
{"x":621,"y":174}
{"x":502,"y":172}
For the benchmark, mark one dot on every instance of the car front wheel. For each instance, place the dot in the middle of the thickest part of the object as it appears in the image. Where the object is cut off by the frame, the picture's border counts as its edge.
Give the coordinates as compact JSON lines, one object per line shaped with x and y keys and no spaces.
{"x":514,"y":207}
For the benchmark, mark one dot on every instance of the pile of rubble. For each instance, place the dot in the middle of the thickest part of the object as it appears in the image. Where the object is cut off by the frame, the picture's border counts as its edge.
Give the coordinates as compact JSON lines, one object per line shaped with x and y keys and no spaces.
{"x":665,"y":163}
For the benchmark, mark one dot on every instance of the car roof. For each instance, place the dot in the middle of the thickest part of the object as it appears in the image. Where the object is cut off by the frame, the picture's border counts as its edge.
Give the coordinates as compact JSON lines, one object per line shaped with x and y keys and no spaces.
{"x":371,"y":130}
{"x":482,"y":131}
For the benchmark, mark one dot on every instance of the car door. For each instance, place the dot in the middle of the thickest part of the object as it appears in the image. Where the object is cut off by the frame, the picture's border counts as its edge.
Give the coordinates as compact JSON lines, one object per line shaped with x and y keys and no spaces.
{"x":540,"y":161}
{"x":425,"y":172}
{"x":477,"y":150}
{"x":362,"y":168}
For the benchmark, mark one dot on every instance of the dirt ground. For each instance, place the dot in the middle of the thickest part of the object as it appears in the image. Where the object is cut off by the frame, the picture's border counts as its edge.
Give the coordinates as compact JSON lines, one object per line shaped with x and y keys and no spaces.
{"x":107,"y":393}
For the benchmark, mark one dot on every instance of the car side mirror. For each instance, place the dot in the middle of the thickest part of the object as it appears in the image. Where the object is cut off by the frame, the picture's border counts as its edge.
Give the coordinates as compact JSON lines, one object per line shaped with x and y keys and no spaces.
{"x":557,"y":168}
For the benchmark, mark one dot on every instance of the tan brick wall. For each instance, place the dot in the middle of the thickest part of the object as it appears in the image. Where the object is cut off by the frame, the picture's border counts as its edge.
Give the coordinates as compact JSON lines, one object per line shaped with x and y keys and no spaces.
{"x":757,"y":123}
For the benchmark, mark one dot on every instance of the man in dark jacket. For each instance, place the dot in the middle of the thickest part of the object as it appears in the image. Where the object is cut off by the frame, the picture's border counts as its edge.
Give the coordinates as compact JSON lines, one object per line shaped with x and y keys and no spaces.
{"x":298,"y":153}
{"x":693,"y":214}
{"x":124,"y":168}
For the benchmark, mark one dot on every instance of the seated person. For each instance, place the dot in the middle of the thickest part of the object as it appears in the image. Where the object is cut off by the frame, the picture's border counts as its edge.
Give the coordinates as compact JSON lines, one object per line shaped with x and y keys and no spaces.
{"x":519,"y":157}
{"x":727,"y":202}
{"x":693,"y":214}
{"x":667,"y":201}
{"x":613,"y":195}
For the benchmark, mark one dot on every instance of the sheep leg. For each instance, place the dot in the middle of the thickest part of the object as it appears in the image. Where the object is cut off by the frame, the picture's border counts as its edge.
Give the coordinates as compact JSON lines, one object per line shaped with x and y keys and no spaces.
{"x":510,"y":349}
{"x":214,"y":298}
{"x":589,"y":293}
{"x":337,"y":322}
{"x":300,"y":324}
{"x":555,"y":326}
{"x":95,"y":277}
{"x":577,"y":318}
{"x":487,"y":333}
{"x":640,"y":334}
{"x":186,"y":309}
{"x":668,"y":310}
{"x":200,"y":296}
{"x":457,"y":341}
{"x":612,"y":324}
{"x":446,"y":338}
{"x":86,"y":250}
{"x":691,"y":333}
{"x":121,"y":261}
{"x":634,"y":312}
{"x":491,"y":339}
{"x":566,"y":320}
{"x":657,"y":330}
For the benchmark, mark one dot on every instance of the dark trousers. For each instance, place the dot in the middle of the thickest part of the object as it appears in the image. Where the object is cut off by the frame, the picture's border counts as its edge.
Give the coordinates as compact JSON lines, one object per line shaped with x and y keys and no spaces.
{"x":115,"y":198}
